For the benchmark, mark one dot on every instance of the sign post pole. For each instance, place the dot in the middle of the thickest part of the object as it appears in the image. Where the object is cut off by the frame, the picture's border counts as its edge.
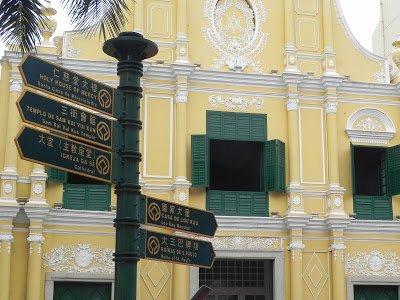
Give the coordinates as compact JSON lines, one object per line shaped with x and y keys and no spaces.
{"x":129,"y":48}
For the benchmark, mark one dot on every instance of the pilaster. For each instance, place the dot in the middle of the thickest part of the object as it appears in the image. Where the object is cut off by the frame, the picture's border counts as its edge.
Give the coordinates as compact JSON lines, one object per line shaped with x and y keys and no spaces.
{"x":38,"y":179}
{"x":329,"y":64}
{"x":290,"y":53}
{"x":182,"y":43}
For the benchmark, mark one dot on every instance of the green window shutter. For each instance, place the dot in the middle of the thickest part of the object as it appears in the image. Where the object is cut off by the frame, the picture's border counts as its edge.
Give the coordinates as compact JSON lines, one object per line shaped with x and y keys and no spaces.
{"x":383,"y":208}
{"x":363,"y":207}
{"x":274,"y":166}
{"x":245,"y":204}
{"x":98,"y":197}
{"x":393,"y":170}
{"x":215,"y":202}
{"x":260,"y":204}
{"x":236,"y":126}
{"x":74,"y":196}
{"x":230,"y":200}
{"x":353,"y":169}
{"x":56,"y":175}
{"x":200,"y":161}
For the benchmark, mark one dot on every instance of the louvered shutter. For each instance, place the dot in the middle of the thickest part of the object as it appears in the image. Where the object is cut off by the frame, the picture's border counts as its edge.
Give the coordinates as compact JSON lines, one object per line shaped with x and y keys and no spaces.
{"x":56,"y":175}
{"x":259,"y":204}
{"x":393,"y":170}
{"x":74,"y":196}
{"x":98,"y":197}
{"x":382,"y":208}
{"x":200,"y":161}
{"x":274,"y":166}
{"x":364,"y":207}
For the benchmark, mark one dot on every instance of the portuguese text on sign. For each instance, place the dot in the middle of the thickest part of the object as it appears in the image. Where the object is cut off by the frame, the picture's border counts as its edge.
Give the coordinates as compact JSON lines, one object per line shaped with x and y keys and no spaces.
{"x":45,"y":112}
{"x":64,"y":154}
{"x":54,"y":79}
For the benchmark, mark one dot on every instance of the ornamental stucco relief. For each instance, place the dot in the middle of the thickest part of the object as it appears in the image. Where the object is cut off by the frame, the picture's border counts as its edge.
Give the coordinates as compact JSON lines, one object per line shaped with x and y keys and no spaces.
{"x":236,"y":102}
{"x":81,"y":258}
{"x":374,"y":263}
{"x":245,"y":243}
{"x":234,"y":32}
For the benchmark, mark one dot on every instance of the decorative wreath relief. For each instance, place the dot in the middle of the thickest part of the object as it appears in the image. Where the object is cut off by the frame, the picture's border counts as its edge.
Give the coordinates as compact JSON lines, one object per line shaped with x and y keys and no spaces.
{"x":374,"y":263}
{"x":234,"y":32}
{"x":236,"y":102}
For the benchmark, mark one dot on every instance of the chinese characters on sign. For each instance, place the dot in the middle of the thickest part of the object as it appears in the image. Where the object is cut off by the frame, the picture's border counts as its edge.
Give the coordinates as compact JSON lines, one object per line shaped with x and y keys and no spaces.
{"x":64,"y":154}
{"x":54,"y":79}
{"x":45,"y":112}
{"x":177,"y":249}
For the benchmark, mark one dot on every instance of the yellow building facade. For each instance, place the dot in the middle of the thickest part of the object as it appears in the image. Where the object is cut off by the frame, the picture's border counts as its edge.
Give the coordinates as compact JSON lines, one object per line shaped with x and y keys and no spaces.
{"x":268,"y":113}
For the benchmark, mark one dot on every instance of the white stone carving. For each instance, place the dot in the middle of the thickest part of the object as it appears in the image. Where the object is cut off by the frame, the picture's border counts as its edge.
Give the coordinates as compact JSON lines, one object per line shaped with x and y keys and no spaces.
{"x":15,"y":85}
{"x":337,"y":202}
{"x":331,"y":107}
{"x":296,"y":201}
{"x":295,"y":245}
{"x":38,"y":188}
{"x":244,"y":243}
{"x":8,"y":187}
{"x":182,"y":196}
{"x":337,"y":247}
{"x":236,"y":102}
{"x":292,"y":104}
{"x":370,"y":125}
{"x":35,"y":238}
{"x":374,"y":263}
{"x":181,"y":96}
{"x":71,"y":51}
{"x":380,"y":76}
{"x":8,"y":238}
{"x":81,"y":258}
{"x":234,"y":32}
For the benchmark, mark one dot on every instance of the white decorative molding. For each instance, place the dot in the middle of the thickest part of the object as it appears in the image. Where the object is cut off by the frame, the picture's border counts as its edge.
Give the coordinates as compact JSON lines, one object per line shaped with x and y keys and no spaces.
{"x":15,"y":85}
{"x":337,"y":247}
{"x":292,"y":104}
{"x":182,"y":196}
{"x":69,"y":38}
{"x":35,"y":238}
{"x":239,"y":42}
{"x":38,"y":188}
{"x":301,"y":24}
{"x":181,"y":96}
{"x":247,"y":243}
{"x":81,"y":258}
{"x":295,"y":245}
{"x":331,"y":107}
{"x":380,"y":76}
{"x":8,"y":238}
{"x":8,"y":187}
{"x":236,"y":102}
{"x":370,"y":125}
{"x":374,"y":263}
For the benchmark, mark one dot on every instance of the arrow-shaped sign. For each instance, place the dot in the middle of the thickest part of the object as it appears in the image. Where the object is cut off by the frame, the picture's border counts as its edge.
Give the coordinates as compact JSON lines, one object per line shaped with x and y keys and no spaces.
{"x":54,"y":79}
{"x":48,"y":113}
{"x":64,"y":154}
{"x":177,"y":249}
{"x":179,"y":217}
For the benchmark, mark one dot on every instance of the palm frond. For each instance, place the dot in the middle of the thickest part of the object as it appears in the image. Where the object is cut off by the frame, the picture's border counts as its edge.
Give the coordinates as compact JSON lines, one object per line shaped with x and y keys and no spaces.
{"x":107,"y":16}
{"x":20,"y":22}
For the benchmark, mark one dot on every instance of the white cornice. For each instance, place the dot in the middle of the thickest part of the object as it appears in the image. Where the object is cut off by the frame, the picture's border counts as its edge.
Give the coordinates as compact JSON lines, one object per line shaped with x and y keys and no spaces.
{"x":376,"y":227}
{"x":84,"y":218}
{"x":227,"y":223}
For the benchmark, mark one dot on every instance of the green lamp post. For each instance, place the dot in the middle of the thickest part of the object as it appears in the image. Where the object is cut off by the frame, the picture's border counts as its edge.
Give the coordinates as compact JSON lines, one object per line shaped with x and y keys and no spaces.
{"x":130,"y":49}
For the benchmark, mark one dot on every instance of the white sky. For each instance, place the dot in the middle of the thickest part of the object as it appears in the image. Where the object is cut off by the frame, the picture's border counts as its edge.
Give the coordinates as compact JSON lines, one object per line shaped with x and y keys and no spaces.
{"x":362,"y":17}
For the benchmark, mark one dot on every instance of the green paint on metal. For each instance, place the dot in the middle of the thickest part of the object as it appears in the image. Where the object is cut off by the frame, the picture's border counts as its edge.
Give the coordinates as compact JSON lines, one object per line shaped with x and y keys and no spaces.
{"x":177,"y":249}
{"x":180,"y":217}
{"x":60,"y":117}
{"x":59,"y":81}
{"x":64,"y":154}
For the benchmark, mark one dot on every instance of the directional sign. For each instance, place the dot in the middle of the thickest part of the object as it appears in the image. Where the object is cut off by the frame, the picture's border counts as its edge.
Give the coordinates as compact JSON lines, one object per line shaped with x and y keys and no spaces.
{"x":64,"y":154}
{"x":54,"y":79}
{"x":180,"y":217}
{"x":176,"y":249}
{"x":45,"y":112}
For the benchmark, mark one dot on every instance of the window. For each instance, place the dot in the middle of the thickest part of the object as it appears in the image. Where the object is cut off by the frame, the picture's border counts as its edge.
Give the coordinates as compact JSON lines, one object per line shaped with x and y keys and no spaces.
{"x":82,"y":193}
{"x":239,"y":279}
{"x":376,"y":177}
{"x":236,"y":164}
{"x":374,"y":292}
{"x":82,"y":290}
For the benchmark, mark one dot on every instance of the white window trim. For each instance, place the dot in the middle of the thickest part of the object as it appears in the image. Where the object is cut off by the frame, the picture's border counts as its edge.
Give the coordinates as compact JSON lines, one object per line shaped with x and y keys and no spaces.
{"x":52,"y":277}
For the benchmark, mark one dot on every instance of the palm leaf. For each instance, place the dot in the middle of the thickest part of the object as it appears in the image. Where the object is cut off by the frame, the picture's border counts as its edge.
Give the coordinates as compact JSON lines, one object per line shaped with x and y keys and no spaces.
{"x":20,"y":22}
{"x":105,"y":16}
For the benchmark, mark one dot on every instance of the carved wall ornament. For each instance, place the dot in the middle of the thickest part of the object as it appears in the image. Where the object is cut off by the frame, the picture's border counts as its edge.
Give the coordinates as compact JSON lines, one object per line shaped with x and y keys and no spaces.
{"x":337,"y":202}
{"x":181,"y":96}
{"x":370,"y":125}
{"x":8,"y":187}
{"x":296,"y":245}
{"x":331,"y":107}
{"x":38,"y":188}
{"x":236,"y":102}
{"x":296,"y":201}
{"x":35,"y":238}
{"x":234,"y":32}
{"x":8,"y":238}
{"x":374,"y":263}
{"x":182,"y":196}
{"x":81,"y":258}
{"x":245,"y":243}
{"x":337,"y":247}
{"x":15,"y":85}
{"x":292,"y":104}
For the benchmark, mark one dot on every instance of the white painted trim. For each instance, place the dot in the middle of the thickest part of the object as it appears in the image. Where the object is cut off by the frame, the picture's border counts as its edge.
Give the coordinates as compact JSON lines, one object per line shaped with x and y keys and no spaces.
{"x":323,"y":146}
{"x":351,"y":281}
{"x":145,"y":135}
{"x":278,"y":267}
{"x":52,"y":277}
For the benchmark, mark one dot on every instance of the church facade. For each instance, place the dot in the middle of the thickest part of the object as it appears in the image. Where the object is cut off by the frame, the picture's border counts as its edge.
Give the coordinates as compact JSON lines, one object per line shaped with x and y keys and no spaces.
{"x":269,"y":114}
